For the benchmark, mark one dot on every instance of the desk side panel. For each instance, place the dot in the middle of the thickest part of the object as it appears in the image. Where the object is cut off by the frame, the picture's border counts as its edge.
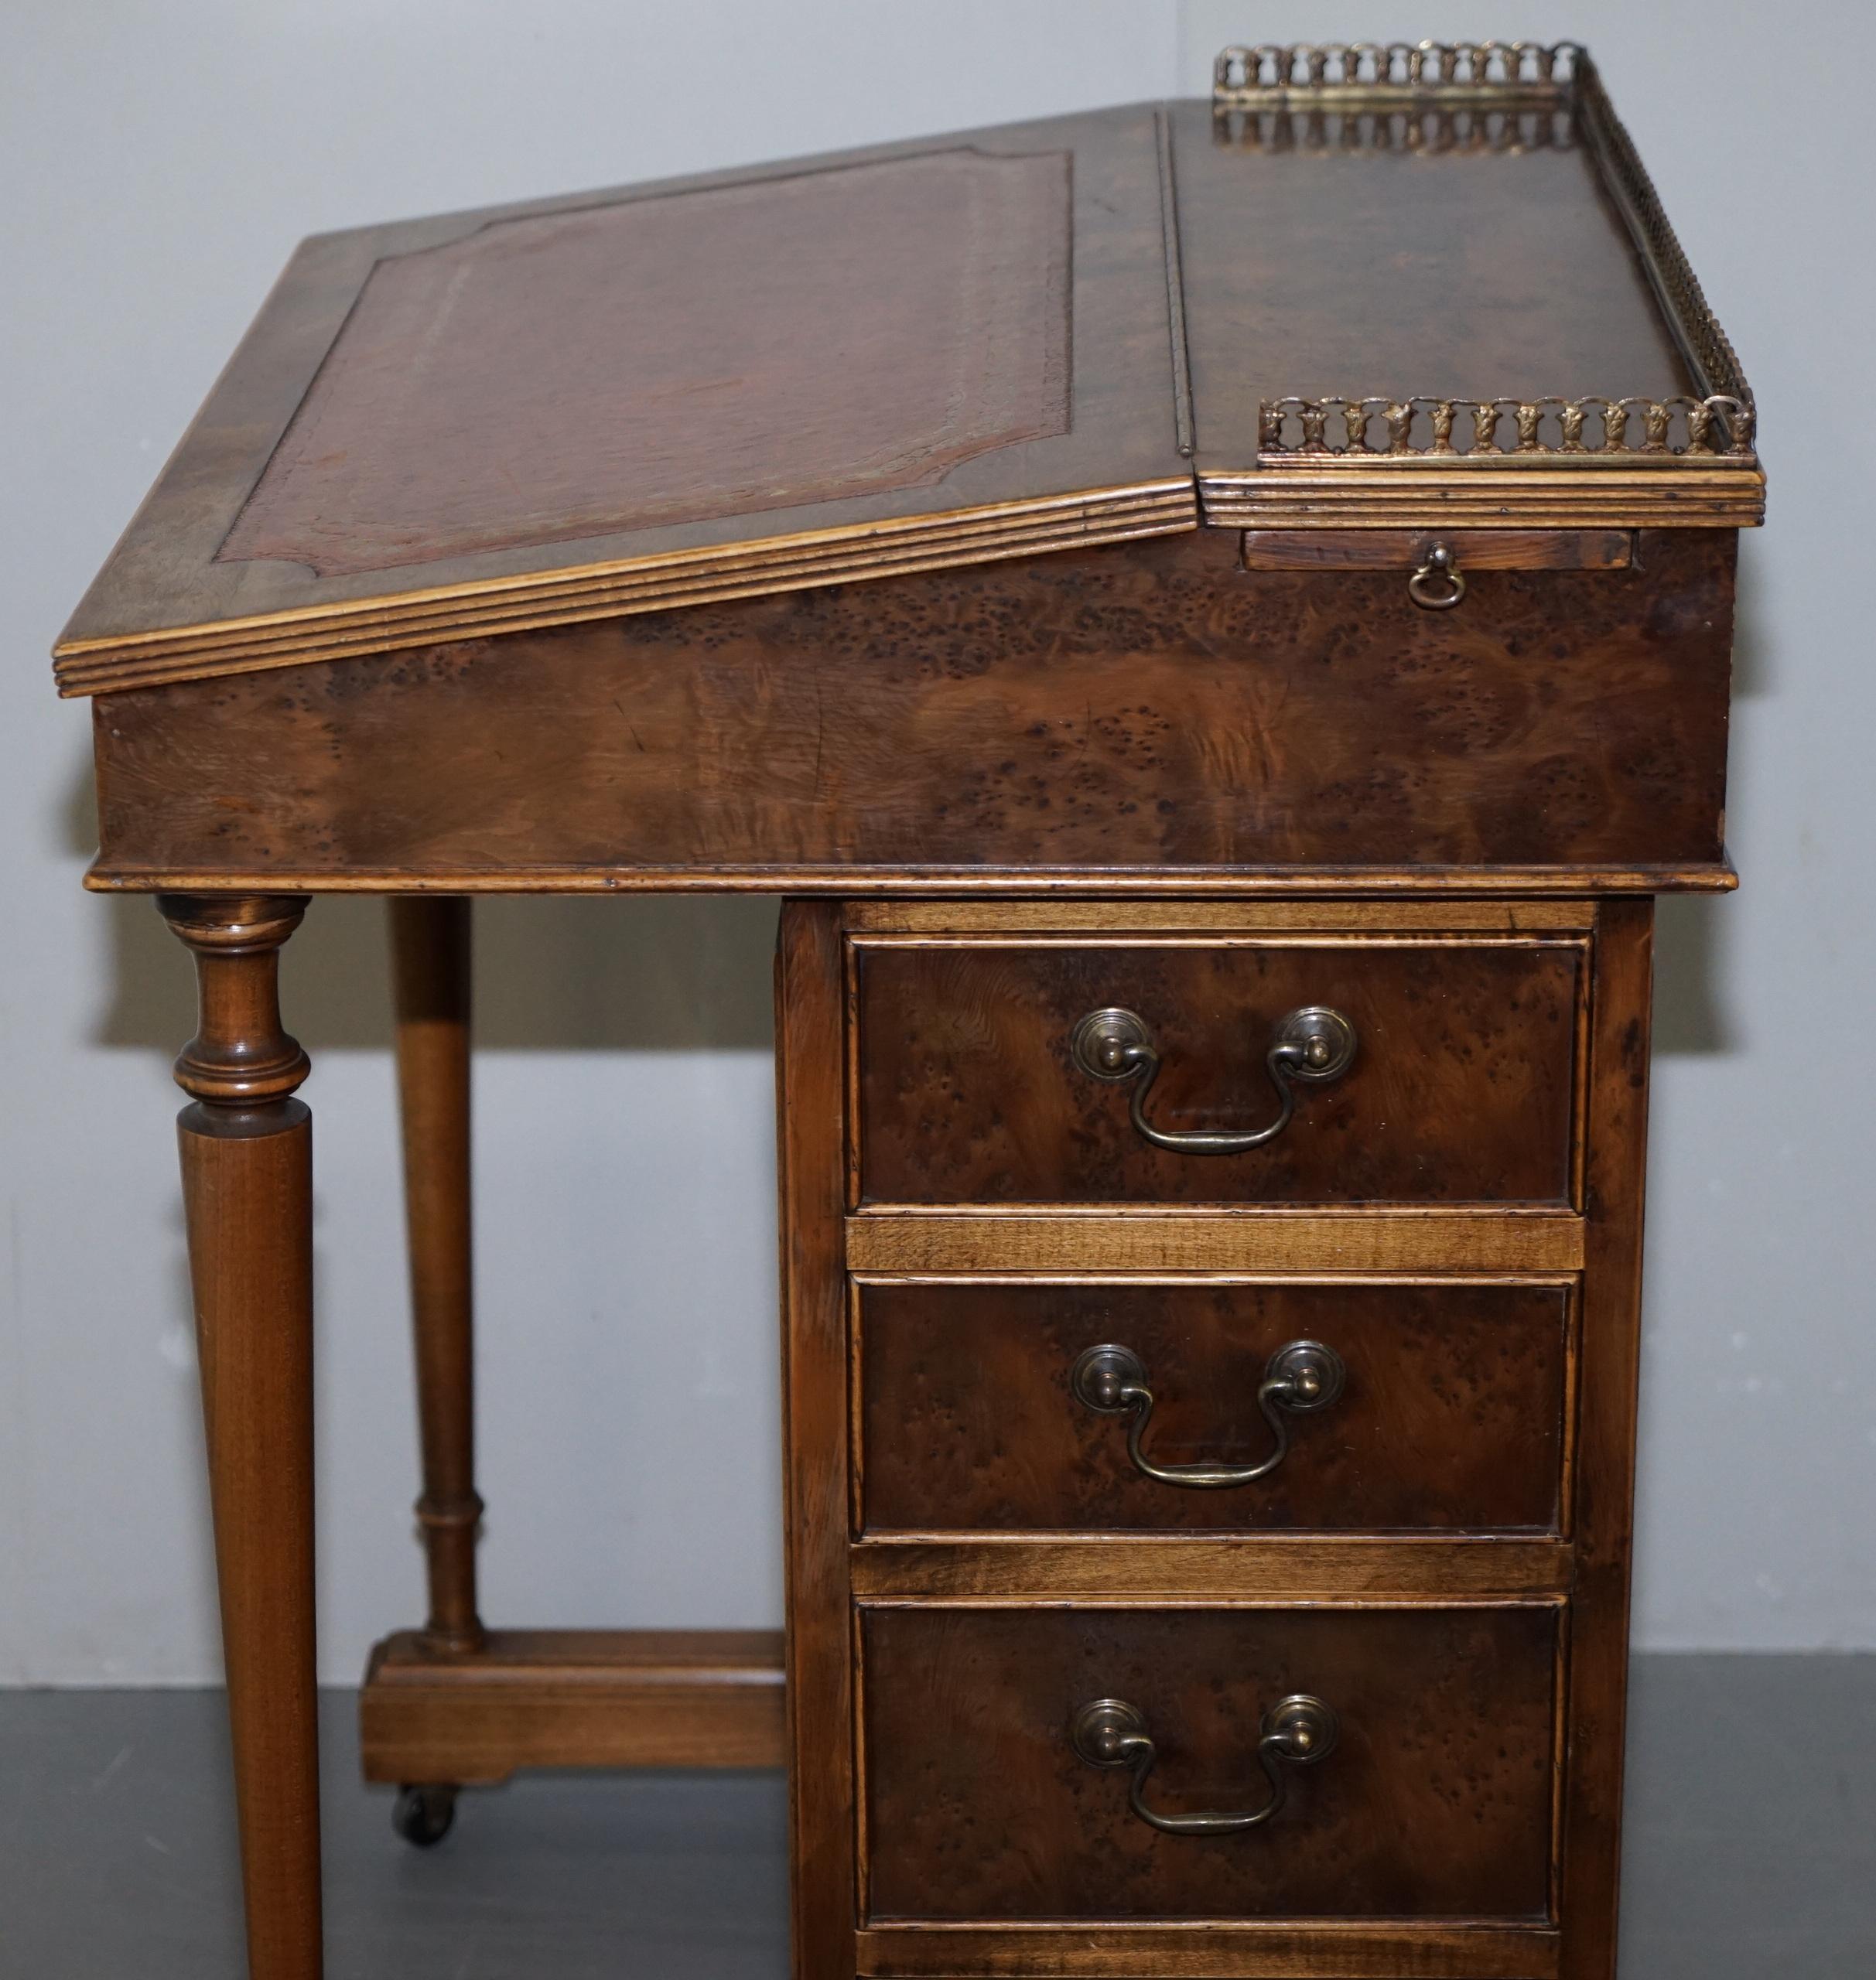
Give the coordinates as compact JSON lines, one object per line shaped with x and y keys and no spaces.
{"x":1148,"y":714}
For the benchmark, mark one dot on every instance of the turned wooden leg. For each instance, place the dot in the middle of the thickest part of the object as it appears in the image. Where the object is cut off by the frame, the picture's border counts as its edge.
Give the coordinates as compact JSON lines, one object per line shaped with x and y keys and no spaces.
{"x":247,"y":1156}
{"x":430,"y":964}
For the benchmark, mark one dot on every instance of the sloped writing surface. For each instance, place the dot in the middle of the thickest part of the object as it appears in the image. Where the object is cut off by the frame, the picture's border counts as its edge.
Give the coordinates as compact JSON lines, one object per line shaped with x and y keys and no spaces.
{"x":922,"y":356}
{"x":679,"y":358}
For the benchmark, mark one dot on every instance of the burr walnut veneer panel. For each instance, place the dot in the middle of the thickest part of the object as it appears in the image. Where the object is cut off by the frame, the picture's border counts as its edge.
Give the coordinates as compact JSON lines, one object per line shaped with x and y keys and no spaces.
{"x":1461,"y":1090}
{"x":1152,"y":705}
{"x":1453,"y":1414}
{"x":1436,"y":1803}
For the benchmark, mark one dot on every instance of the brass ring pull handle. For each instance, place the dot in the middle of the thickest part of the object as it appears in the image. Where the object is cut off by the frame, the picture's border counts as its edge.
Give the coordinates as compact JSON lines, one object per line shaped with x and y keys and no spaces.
{"x":1297,"y":1732}
{"x":1438,"y":584}
{"x":1299,"y":1377}
{"x":1312,"y":1044}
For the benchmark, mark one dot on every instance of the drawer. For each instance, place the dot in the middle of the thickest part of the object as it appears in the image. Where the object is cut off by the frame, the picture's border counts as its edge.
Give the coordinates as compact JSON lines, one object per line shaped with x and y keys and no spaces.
{"x":1434,"y":1800}
{"x":1461,"y":1089}
{"x":1423,"y":554}
{"x":1415,"y":1406}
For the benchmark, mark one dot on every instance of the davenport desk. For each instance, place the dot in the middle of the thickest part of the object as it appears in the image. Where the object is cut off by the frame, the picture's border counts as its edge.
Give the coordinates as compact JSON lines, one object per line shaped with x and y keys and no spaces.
{"x":1216,"y":616}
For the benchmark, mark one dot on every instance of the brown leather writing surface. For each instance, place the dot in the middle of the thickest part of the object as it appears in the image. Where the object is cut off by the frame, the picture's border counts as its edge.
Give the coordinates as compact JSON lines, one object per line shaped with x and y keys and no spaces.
{"x":674,"y":358}
{"x":925,"y":354}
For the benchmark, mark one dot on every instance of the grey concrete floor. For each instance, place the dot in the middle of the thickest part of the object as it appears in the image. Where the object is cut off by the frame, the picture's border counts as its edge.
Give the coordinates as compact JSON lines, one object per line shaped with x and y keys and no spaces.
{"x":1751,"y":1847}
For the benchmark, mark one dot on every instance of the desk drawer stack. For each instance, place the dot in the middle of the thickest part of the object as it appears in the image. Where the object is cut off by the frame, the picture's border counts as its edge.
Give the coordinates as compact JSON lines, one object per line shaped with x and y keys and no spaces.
{"x":1308,"y":1462}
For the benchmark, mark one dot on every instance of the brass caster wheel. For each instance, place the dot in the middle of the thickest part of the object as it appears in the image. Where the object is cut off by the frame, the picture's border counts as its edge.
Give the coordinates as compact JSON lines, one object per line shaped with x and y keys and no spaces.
{"x":423,"y":1815}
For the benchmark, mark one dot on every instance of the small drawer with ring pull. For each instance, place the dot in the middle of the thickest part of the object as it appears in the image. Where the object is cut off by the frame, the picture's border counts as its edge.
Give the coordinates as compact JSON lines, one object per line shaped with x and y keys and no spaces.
{"x":1438,"y":566}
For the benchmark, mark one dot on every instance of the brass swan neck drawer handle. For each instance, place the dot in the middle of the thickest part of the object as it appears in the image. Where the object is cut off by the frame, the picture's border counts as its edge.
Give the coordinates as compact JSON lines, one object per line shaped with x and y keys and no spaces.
{"x":1313,"y":1044}
{"x":1437,"y":583}
{"x":1300,"y":1377}
{"x":1298,"y":1731}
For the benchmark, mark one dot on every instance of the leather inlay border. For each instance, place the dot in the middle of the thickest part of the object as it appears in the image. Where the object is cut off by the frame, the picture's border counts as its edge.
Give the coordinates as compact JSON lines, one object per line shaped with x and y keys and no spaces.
{"x":664,"y":360}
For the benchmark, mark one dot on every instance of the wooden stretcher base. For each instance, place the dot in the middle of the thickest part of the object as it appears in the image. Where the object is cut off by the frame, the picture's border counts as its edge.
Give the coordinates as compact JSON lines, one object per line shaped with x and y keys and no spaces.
{"x":571,"y":1698}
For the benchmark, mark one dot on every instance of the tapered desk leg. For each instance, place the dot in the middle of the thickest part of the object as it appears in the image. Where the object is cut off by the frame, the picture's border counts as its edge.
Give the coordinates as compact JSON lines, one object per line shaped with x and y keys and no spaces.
{"x":430,"y":967}
{"x":247,"y":1158}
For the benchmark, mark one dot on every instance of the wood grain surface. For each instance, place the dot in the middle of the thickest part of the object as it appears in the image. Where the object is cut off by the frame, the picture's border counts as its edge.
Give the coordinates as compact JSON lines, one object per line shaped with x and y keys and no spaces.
{"x":1396,"y":1570}
{"x":1462,"y":1088}
{"x":811,"y":1134}
{"x":1238,"y":1950}
{"x":1436,"y":1803}
{"x":1404,"y":549}
{"x":1453,"y":1415}
{"x":1122,"y":714}
{"x":1327,"y":492}
{"x":1150,"y":1237}
{"x":571,"y":1698}
{"x":1280,"y":916}
{"x":431,"y":987}
{"x":1591,"y":1791}
{"x":1506,"y":273}
{"x":246,"y":1145}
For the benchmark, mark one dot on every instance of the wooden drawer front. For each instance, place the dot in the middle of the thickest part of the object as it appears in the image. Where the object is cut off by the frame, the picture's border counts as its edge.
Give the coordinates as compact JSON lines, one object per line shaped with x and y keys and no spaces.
{"x":1451,"y":1415}
{"x":1436,"y":1801}
{"x":1460,"y":1090}
{"x":1469,"y":551}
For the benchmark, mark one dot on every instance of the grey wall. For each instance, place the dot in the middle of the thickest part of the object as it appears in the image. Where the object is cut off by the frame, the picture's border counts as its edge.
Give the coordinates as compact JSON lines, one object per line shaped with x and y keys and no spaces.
{"x":159,"y":161}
